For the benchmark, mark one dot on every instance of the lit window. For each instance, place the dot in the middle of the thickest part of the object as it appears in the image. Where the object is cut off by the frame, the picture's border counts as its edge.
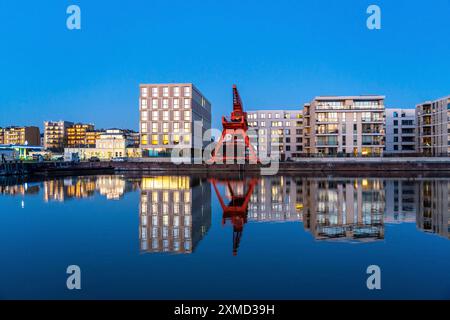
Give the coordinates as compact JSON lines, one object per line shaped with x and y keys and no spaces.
{"x":176,"y":139}
{"x":176,"y":91}
{"x":187,"y":115}
{"x":176,"y":127}
{"x":165,"y":91}
{"x":187,"y":126}
{"x":154,"y":127}
{"x":155,"y":139}
{"x":144,"y":139}
{"x":165,"y":127}
{"x":187,"y":139}
{"x":144,"y":127}
{"x":187,"y":91}
{"x":154,"y":92}
{"x":166,"y":115}
{"x":144,"y":116}
{"x":187,"y":103}
{"x":166,"y":139}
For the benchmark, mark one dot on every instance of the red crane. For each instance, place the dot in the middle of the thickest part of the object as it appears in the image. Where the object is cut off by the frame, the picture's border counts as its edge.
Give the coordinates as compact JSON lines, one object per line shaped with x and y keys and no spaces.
{"x":236,"y":210}
{"x":234,"y":138}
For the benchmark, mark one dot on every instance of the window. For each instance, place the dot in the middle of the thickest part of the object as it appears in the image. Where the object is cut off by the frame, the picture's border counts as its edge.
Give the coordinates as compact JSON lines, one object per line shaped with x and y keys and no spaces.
{"x":176,"y":127}
{"x":144,"y":116}
{"x":155,"y":115}
{"x":144,"y":104}
{"x":165,"y":139}
{"x":165,"y":91}
{"x":187,"y":139}
{"x":187,"y":91}
{"x":165,"y":103}
{"x":395,"y":114}
{"x":269,"y":116}
{"x":187,"y":115}
{"x":154,"y":92}
{"x":155,"y":139}
{"x":144,"y":139}
{"x":176,"y":91}
{"x":263,"y":116}
{"x":165,"y":127}
{"x":277,"y":116}
{"x":166,"y":115}
{"x":263,"y":123}
{"x":395,"y":122}
{"x":187,"y":103}
{"x":155,"y":103}
{"x":395,"y":139}
{"x":187,"y":126}
{"x":154,"y":127}
{"x":144,"y":127}
{"x":176,"y":103}
{"x":176,"y":139}
{"x":144,"y":92}
{"x":176,"y":115}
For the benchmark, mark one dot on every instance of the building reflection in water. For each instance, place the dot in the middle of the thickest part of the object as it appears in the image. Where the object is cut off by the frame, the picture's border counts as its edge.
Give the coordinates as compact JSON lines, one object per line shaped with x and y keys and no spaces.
{"x":344,"y":209}
{"x":433,"y":207}
{"x":175,"y":213}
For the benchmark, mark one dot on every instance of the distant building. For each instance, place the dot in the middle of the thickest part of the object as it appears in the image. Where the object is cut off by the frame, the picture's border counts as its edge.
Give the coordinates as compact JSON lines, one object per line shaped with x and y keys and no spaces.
{"x":344,"y":125}
{"x":277,"y":131}
{"x":55,"y":135}
{"x":113,"y":143}
{"x":433,"y":123}
{"x":400,"y":131}
{"x":20,"y":136}
{"x":168,"y":113}
{"x":77,"y":135}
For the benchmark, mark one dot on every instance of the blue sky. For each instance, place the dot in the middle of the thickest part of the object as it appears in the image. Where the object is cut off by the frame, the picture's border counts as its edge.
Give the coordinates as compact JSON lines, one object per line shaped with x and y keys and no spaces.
{"x":280,"y":54}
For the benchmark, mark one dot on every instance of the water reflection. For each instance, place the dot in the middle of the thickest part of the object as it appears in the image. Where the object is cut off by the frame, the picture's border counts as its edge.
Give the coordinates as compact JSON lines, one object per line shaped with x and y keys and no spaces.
{"x":175,"y":211}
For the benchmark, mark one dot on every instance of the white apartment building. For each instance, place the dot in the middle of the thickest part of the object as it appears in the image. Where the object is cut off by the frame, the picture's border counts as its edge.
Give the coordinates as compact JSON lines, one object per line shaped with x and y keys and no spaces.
{"x":173,"y":116}
{"x":278,"y":131}
{"x":344,"y":125}
{"x":433,"y":127}
{"x":400,"y":131}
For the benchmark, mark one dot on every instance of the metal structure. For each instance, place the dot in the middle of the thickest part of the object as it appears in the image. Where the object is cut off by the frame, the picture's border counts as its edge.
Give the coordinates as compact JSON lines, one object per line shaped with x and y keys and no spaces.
{"x":234,"y":143}
{"x":236,"y":210}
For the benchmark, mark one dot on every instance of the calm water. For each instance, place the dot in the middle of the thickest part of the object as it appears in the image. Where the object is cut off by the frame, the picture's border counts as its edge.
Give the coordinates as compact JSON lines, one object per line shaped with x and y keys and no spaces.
{"x":162,"y":237}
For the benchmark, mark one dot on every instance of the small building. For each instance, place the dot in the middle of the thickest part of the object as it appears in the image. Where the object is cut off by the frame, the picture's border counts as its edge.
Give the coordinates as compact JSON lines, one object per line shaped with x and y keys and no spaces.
{"x":113,"y":143}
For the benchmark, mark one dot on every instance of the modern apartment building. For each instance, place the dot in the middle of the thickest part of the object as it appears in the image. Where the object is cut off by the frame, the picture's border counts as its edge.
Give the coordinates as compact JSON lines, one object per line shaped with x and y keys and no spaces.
{"x":77,"y":135}
{"x":174,"y":215}
{"x":344,"y":125}
{"x":55,"y":135}
{"x":20,"y":136}
{"x":433,"y":127}
{"x":400,"y":131}
{"x":279,"y":131}
{"x":173,"y":116}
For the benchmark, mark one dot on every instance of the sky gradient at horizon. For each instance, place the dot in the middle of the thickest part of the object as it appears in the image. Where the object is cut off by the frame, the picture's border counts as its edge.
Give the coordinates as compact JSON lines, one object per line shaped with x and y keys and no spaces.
{"x":280,"y":54}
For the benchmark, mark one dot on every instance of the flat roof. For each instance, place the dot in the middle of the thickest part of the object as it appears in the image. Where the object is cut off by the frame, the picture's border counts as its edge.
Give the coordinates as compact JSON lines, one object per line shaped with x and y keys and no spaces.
{"x":361,"y":97}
